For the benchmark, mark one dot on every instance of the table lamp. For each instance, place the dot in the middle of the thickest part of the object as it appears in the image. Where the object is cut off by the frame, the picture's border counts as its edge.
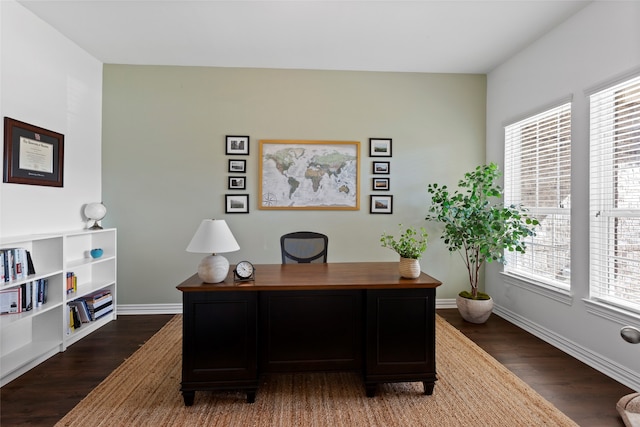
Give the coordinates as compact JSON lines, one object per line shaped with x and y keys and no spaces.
{"x":214,"y":237}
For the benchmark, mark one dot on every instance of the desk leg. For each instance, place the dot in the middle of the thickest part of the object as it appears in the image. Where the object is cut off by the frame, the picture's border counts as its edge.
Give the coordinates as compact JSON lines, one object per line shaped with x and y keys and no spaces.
{"x":371,"y":389}
{"x":428,"y":387}
{"x":188,"y":397}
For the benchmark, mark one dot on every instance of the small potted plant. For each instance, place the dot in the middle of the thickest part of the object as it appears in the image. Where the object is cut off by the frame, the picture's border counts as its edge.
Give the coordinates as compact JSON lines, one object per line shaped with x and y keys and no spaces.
{"x":410,"y":246}
{"x":480,"y":228}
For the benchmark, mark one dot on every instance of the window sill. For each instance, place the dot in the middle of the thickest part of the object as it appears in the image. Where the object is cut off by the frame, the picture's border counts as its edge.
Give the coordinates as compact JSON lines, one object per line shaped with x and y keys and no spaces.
{"x":610,"y":312}
{"x":557,"y":294}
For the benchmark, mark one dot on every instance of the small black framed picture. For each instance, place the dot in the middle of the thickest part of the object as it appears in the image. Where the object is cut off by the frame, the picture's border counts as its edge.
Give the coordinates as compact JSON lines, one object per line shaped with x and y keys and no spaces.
{"x":379,"y":147}
{"x":236,"y":203}
{"x":237,"y":145}
{"x":237,"y":183}
{"x":380,"y":184}
{"x":237,"y":166}
{"x":381,"y":204}
{"x":381,"y":168}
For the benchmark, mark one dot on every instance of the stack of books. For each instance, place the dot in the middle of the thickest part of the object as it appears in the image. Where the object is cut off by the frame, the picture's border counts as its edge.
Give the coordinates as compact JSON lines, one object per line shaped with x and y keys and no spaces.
{"x":99,"y":303}
{"x":90,"y":308}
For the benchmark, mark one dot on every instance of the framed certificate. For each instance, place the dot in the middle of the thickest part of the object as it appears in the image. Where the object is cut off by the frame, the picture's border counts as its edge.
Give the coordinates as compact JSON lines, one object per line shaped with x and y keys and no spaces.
{"x":32,"y":155}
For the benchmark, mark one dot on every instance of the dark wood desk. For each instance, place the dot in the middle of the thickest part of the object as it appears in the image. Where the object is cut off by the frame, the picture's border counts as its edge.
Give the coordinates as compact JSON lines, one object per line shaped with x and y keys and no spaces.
{"x":308,"y":317}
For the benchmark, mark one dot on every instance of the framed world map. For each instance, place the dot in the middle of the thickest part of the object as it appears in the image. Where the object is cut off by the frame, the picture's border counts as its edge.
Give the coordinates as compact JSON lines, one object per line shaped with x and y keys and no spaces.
{"x":309,"y":175}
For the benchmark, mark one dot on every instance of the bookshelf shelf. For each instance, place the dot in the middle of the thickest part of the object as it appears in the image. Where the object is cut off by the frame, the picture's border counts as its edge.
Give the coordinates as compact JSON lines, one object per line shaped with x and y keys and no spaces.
{"x":32,"y":336}
{"x":25,"y":356}
{"x":30,"y":278}
{"x":87,"y":288}
{"x":87,"y":328}
{"x":26,"y":315}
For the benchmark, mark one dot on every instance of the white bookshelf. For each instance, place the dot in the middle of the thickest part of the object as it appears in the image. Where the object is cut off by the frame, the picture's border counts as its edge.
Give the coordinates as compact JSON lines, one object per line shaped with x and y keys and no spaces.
{"x":30,"y":337}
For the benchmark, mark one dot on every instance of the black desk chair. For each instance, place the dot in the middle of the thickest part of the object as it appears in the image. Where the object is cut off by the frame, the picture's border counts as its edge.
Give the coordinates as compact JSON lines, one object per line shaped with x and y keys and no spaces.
{"x":304,"y":247}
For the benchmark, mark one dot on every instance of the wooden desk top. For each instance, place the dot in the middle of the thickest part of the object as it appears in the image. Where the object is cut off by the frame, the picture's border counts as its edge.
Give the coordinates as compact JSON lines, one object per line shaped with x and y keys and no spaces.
{"x":348,"y":275}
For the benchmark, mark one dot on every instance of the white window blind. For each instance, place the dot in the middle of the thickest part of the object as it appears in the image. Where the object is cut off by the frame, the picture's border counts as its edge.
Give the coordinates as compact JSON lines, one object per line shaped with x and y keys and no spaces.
{"x":615,"y":195}
{"x":537,"y":175}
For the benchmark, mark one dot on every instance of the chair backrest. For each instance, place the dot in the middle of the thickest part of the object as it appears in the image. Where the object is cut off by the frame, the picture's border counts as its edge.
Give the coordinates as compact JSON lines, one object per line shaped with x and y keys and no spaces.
{"x":304,"y":247}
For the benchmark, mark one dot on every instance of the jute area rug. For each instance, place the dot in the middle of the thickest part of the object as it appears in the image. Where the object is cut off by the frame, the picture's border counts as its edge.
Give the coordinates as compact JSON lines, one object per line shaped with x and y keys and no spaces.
{"x":473,"y":389}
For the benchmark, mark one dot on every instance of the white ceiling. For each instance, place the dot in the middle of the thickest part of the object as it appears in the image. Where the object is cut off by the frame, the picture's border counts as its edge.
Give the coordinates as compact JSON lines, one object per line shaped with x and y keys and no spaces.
{"x":375,"y":35}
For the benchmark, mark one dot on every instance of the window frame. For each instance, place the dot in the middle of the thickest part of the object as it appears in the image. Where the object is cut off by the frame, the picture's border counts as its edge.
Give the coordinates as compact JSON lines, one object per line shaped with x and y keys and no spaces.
{"x":603,"y":209}
{"x":513,"y":134}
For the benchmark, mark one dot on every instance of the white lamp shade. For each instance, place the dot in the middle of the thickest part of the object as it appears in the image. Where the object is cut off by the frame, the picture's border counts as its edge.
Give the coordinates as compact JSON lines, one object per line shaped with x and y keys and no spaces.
{"x":213,"y":236}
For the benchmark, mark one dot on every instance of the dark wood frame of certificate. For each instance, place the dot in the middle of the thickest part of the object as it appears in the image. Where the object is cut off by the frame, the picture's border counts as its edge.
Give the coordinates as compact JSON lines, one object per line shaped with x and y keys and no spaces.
{"x":14,"y":130}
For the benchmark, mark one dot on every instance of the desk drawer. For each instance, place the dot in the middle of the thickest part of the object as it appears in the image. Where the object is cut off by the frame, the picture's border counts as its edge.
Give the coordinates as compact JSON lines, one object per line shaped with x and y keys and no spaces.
{"x":310,"y":331}
{"x":219,"y":337}
{"x":400,"y":334}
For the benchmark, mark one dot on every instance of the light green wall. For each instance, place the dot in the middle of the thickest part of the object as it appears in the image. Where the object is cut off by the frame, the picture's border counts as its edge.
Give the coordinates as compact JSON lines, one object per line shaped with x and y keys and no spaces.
{"x":165,"y":168}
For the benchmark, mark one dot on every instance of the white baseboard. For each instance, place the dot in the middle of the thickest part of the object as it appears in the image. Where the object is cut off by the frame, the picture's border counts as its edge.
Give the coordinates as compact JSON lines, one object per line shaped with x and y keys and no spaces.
{"x":595,"y":360}
{"x":126,"y":309}
{"x":446,"y":303}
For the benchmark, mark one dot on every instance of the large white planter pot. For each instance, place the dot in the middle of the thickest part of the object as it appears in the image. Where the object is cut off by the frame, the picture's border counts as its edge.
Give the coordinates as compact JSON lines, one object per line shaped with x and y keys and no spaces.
{"x":409,"y":268}
{"x":474,"y":311}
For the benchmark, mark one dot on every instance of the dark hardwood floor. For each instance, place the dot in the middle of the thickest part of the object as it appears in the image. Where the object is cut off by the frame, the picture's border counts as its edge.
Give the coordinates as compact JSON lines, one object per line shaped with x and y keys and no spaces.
{"x":43,"y":395}
{"x":581,"y":392}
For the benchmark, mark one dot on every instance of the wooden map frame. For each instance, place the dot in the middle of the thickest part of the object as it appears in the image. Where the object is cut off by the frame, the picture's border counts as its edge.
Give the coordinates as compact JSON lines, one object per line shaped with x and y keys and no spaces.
{"x":269,"y":200}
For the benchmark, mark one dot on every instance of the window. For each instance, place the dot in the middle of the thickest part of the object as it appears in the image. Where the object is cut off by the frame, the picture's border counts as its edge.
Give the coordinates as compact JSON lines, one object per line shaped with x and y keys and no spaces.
{"x":615,"y":195}
{"x":537,"y":175}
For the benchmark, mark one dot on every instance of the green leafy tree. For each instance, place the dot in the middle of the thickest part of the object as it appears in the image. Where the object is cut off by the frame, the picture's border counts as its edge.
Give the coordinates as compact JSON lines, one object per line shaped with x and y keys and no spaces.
{"x":476,"y":224}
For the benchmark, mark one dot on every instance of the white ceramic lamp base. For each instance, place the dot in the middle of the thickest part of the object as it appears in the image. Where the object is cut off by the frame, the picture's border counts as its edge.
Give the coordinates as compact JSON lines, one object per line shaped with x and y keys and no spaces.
{"x":213,"y":269}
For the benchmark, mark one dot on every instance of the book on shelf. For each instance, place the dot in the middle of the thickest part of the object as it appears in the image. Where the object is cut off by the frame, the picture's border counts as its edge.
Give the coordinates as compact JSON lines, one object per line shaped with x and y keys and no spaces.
{"x":15,"y":264}
{"x":27,"y":296}
{"x":11,"y":300}
{"x":82,"y":309}
{"x":99,"y":303}
{"x":74,"y":318}
{"x":24,"y":297}
{"x":105,"y":309}
{"x":30,"y":267}
{"x":34,"y":294}
{"x":89,"y":308}
{"x":72,"y":282}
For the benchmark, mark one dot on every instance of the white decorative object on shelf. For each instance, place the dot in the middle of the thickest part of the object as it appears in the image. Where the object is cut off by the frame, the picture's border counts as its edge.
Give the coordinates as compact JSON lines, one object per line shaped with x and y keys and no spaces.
{"x":95,"y":212}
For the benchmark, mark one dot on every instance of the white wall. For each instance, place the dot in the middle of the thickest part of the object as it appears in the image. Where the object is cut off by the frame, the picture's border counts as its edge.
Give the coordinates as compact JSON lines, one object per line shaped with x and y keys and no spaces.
{"x":599,"y":44}
{"x":48,"y":81}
